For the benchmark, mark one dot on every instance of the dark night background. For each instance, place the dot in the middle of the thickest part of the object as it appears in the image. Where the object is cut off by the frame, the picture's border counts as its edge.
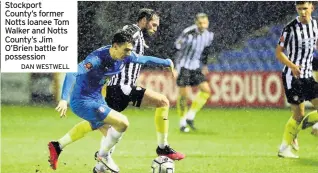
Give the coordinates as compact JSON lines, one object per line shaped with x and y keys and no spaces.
{"x":230,"y":21}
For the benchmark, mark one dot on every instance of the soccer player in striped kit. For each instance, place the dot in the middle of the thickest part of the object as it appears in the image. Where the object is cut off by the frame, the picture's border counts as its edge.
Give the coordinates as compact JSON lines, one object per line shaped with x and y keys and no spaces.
{"x":299,"y":39}
{"x":122,"y":89}
{"x":120,"y":94}
{"x":193,"y":45}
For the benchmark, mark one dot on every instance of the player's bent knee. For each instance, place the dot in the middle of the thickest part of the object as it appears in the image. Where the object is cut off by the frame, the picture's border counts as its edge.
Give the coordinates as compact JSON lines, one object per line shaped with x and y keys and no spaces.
{"x":183,"y":92}
{"x":123,"y":124}
{"x":163,"y":102}
{"x":299,"y":116}
{"x":117,"y":121}
{"x":207,"y":90}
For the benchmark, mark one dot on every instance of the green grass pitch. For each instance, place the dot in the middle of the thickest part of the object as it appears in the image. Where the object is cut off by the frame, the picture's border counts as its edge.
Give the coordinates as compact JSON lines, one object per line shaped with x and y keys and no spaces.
{"x":228,"y":141}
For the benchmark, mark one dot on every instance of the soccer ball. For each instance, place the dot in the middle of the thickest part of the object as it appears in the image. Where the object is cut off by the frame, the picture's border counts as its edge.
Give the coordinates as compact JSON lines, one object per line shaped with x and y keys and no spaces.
{"x":162,"y":164}
{"x":102,"y":169}
{"x":315,"y":129}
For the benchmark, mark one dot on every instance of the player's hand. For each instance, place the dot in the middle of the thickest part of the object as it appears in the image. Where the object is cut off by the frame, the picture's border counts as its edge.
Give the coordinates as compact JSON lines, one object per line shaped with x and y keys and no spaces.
{"x":62,"y":107}
{"x":296,"y":70}
{"x":171,"y":68}
{"x":205,"y":70}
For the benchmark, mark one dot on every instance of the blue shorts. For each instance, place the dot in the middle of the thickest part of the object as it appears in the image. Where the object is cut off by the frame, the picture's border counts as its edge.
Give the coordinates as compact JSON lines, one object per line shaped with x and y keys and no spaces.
{"x":93,"y":111}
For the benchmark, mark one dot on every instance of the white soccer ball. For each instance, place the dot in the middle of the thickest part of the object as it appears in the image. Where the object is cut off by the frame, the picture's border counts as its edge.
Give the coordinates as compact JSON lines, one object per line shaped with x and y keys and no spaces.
{"x":162,"y":164}
{"x":315,"y":129}
{"x":101,"y":169}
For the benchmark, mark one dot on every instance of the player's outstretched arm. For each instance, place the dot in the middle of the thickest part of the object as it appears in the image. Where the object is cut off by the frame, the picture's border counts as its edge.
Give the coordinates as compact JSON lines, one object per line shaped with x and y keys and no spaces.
{"x":69,"y":81}
{"x":151,"y":60}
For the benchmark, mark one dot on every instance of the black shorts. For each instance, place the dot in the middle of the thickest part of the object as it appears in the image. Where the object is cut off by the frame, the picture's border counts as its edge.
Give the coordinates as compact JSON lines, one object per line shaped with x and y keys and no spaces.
{"x":315,"y":64}
{"x":190,"y":77}
{"x":117,"y":100}
{"x":301,"y":90}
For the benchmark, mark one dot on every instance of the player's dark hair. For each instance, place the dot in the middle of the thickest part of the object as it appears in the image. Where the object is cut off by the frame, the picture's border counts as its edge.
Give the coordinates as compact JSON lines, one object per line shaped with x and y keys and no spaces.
{"x":134,"y":30}
{"x":122,"y":36}
{"x":302,"y":2}
{"x":148,"y":13}
{"x":200,"y":15}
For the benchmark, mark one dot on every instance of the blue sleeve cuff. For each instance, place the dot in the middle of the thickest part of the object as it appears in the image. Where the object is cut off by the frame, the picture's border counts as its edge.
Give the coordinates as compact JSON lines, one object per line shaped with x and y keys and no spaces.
{"x":151,"y":60}
{"x":69,"y":81}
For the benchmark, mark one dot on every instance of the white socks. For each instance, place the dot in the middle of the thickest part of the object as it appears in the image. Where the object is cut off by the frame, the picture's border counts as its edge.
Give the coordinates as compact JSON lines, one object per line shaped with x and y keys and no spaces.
{"x":162,"y":139}
{"x":191,"y":115}
{"x":65,"y":140}
{"x":183,"y":122}
{"x":108,"y":142}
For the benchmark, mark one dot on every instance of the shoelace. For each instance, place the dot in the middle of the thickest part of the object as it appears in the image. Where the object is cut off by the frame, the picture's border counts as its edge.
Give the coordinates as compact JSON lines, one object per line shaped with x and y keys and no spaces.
{"x":170,"y":150}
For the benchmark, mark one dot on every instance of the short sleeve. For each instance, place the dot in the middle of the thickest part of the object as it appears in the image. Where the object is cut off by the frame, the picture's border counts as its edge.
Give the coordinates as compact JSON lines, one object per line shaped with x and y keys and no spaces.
{"x":285,"y":37}
{"x":91,"y":62}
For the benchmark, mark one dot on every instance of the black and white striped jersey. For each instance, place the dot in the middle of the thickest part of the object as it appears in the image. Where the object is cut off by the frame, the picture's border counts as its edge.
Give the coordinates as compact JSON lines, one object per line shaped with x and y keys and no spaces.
{"x":130,"y":73}
{"x":192,"y":47}
{"x":299,"y":41}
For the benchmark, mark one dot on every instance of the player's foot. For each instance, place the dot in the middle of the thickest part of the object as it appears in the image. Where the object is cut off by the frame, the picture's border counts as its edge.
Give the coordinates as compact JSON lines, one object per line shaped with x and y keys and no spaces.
{"x":55,"y":151}
{"x":108,"y":162}
{"x":295,"y":145}
{"x":169,"y":152}
{"x":184,"y":129}
{"x":191,"y":124}
{"x":287,"y":153}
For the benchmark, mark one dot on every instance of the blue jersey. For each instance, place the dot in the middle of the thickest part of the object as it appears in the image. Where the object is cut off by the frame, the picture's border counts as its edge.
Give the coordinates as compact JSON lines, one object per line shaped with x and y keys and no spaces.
{"x":93,"y":71}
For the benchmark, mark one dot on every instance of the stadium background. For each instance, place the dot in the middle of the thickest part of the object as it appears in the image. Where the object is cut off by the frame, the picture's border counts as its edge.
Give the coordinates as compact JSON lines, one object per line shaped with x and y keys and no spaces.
{"x":244,"y":69}
{"x":244,"y":73}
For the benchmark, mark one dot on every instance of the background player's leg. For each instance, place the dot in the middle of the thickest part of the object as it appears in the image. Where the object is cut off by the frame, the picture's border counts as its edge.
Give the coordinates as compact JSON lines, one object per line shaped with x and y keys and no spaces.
{"x":199,"y":100}
{"x":311,"y":118}
{"x":291,"y":130}
{"x":182,"y":106}
{"x":308,"y":121}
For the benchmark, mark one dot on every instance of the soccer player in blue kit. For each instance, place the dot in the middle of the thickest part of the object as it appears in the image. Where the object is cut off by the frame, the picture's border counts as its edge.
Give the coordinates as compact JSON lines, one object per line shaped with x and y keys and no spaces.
{"x":86,"y":100}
